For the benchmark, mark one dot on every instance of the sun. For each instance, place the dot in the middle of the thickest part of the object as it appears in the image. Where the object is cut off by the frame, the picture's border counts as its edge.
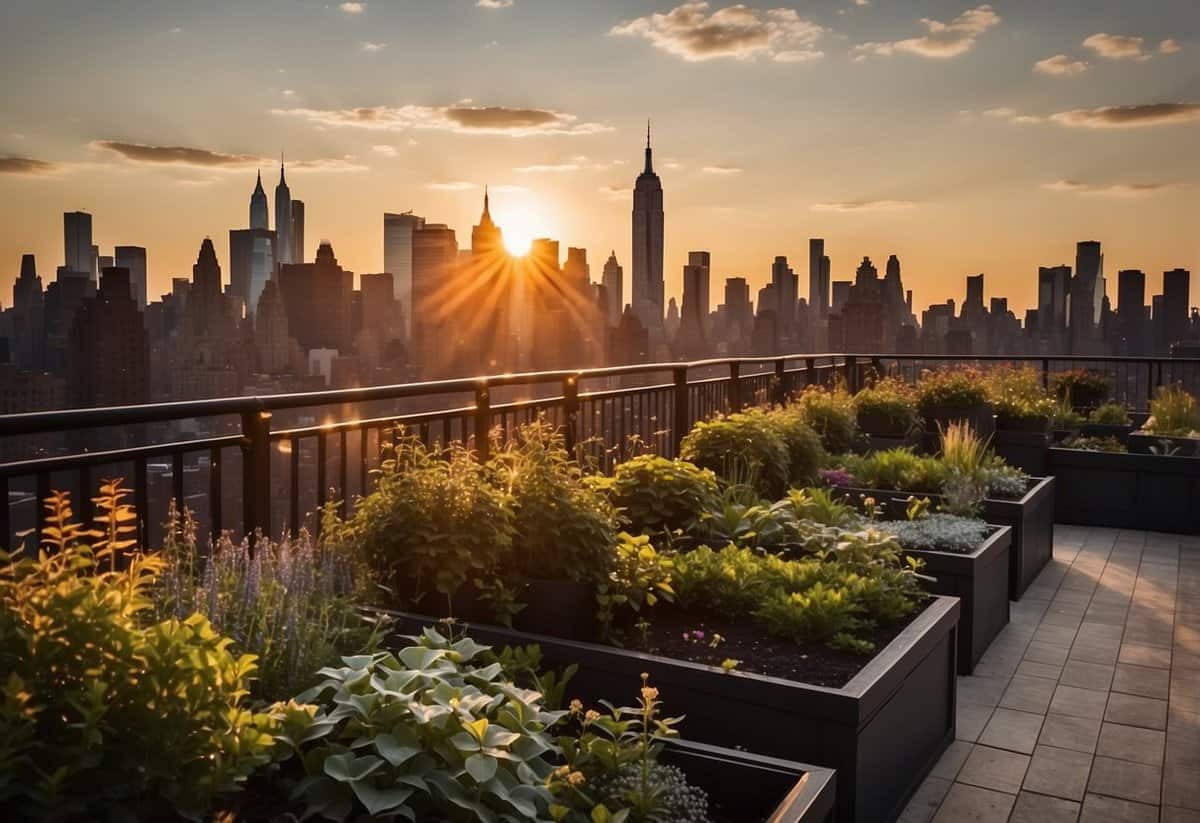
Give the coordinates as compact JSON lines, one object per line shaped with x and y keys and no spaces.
{"x":522,"y":219}
{"x":518,"y":239}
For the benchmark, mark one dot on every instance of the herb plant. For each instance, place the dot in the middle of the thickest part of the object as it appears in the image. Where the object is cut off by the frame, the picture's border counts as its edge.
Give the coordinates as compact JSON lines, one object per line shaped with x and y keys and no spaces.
{"x":950,"y":387}
{"x":1110,"y":414}
{"x":939,"y":531}
{"x":1173,"y":413}
{"x":658,"y":495}
{"x":1017,"y":394}
{"x":1082,"y":389}
{"x":742,"y":447}
{"x":806,"y":452}
{"x":831,"y":413}
{"x":1095,"y":444}
{"x":890,"y":400}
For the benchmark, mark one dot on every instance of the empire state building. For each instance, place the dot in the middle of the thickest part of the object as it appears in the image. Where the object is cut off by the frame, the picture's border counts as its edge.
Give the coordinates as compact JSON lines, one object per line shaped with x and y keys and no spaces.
{"x":648,"y":245}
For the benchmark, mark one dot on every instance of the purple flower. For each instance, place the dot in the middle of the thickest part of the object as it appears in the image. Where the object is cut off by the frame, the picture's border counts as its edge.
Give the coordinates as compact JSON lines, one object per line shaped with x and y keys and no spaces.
{"x":836,"y":477}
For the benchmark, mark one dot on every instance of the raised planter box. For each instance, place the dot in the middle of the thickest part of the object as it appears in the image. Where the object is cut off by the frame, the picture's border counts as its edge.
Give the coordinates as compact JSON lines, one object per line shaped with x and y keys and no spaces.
{"x":980,"y":581}
{"x":1143,"y":443}
{"x":1024,"y":448}
{"x":1128,"y":491}
{"x":751,"y":787}
{"x":882,"y":731}
{"x":1031,"y":518}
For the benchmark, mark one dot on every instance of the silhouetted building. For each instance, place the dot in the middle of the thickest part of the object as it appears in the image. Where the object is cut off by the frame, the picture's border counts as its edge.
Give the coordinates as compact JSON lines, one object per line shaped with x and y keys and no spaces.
{"x":277,"y":351}
{"x":259,"y":219}
{"x":63,"y":296}
{"x":648,"y":245}
{"x":109,"y":348}
{"x":1176,"y":294}
{"x":133,"y":258}
{"x":251,"y":264}
{"x":1087,"y":297}
{"x":77,"y":243}
{"x":398,"y":261}
{"x":297,"y":240}
{"x":318,"y":296}
{"x":283,"y":221}
{"x":29,"y":318}
{"x":613,"y":280}
{"x":1131,"y":313}
{"x":1054,"y":285}
{"x":693,"y":340}
{"x":434,"y":261}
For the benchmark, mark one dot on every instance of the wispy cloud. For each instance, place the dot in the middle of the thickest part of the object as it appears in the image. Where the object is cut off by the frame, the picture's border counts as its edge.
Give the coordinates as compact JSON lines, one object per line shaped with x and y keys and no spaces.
{"x":386,"y":151}
{"x":513,"y":122}
{"x":1107,"y":189}
{"x":690,"y":31}
{"x":1128,"y":117}
{"x":370,"y":47}
{"x":30,"y":166}
{"x":1011,"y":115}
{"x":721,"y":170}
{"x":1061,"y":66}
{"x":508,"y":188}
{"x":1117,"y":46}
{"x":616,"y":192}
{"x":941,"y":40}
{"x":189,"y":156}
{"x":451,"y":185}
{"x":1169,"y":46}
{"x":494,"y":4}
{"x":578,"y":163}
{"x":859,"y":206}
{"x":353,"y":8}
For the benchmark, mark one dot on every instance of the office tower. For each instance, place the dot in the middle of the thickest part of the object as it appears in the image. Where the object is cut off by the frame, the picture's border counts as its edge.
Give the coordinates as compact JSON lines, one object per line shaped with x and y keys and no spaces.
{"x":648,"y":245}
{"x":77,"y":242}
{"x":485,"y":296}
{"x":785,"y":286}
{"x":318,"y":298}
{"x":272,"y":342}
{"x":297,"y":249}
{"x":973,"y":305}
{"x":259,"y":218}
{"x":103,"y":261}
{"x":1054,"y":285}
{"x":251,"y":264}
{"x":576,"y":270}
{"x":1131,"y":294}
{"x":398,"y":261}
{"x":283,"y":221}
{"x":29,"y":309}
{"x":693,"y":321}
{"x":434,"y":262}
{"x":133,"y":258}
{"x":613,"y":280}
{"x":95,"y":263}
{"x":839,"y":291}
{"x":62,"y":298}
{"x":486,"y":238}
{"x":109,"y":348}
{"x":1176,"y":294}
{"x":1087,"y":296}
{"x":378,"y":304}
{"x":738,"y":315}
{"x":206,"y":302}
{"x":818,"y":279}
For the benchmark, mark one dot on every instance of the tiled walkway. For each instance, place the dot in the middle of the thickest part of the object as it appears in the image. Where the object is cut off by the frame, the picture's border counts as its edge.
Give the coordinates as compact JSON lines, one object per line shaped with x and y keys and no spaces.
{"x":1087,"y":706}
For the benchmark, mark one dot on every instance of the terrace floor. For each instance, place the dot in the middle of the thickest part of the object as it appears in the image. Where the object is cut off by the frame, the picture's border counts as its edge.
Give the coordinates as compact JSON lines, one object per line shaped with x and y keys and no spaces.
{"x":1087,"y":706}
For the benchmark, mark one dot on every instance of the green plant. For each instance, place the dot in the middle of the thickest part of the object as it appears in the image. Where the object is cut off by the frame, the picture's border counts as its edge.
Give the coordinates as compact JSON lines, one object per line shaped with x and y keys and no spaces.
{"x":1003,"y":480}
{"x":433,"y":523}
{"x":1066,"y":418}
{"x":831,"y":414}
{"x":564,"y":528}
{"x":639,"y":576}
{"x":1095,"y":444}
{"x":1017,"y":394}
{"x":806,"y":454}
{"x":1110,"y":414}
{"x":655,"y":494}
{"x":899,"y":469}
{"x":743,"y":447}
{"x":1082,"y":389}
{"x":939,"y":531}
{"x":822,"y":506}
{"x":963,"y":493}
{"x":755,"y":524}
{"x":105,"y":713}
{"x":950,"y":387}
{"x":962,"y":449}
{"x":429,"y":732}
{"x":891,"y":401}
{"x":1173,"y":413}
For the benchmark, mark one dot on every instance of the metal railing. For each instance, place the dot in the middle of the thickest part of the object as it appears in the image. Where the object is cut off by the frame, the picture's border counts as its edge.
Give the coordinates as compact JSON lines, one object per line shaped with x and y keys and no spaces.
{"x":268,"y":457}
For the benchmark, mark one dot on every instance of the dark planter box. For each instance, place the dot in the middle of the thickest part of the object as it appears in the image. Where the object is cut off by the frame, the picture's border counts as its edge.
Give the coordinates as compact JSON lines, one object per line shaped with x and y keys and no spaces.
{"x":980,"y":581}
{"x":1024,"y":449}
{"x":1142,"y":442}
{"x":1031,"y":518}
{"x":1128,"y":491}
{"x":751,"y":787}
{"x":882,"y":442}
{"x":981,"y":419}
{"x":883,"y":731}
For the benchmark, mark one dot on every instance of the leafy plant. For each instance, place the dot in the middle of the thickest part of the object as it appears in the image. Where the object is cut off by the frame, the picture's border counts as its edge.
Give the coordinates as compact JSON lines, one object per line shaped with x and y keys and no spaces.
{"x":899,"y":469}
{"x":105,"y":713}
{"x":891,"y":400}
{"x":822,"y":506}
{"x":963,"y":493}
{"x":743,"y":447}
{"x":1082,"y":389}
{"x":1110,"y":414}
{"x":1002,"y":480}
{"x":1095,"y":444}
{"x":962,"y":449}
{"x":950,"y":387}
{"x":755,"y":524}
{"x":655,"y":494}
{"x":1017,"y":394}
{"x":1173,"y":413}
{"x":806,"y":453}
{"x":639,"y":576}
{"x":939,"y":531}
{"x":831,"y":413}
{"x":1066,"y":418}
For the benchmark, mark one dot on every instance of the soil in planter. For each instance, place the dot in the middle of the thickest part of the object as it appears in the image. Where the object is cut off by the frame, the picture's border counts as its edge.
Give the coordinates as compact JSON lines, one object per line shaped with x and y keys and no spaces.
{"x":758,"y":652}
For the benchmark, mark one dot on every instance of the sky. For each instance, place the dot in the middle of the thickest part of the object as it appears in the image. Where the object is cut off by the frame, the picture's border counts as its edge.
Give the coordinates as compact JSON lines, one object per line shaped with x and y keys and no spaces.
{"x":962,"y":137}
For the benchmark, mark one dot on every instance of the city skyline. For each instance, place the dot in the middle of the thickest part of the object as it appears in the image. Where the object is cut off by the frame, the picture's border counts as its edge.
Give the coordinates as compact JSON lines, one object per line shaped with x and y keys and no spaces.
{"x":843,"y":146}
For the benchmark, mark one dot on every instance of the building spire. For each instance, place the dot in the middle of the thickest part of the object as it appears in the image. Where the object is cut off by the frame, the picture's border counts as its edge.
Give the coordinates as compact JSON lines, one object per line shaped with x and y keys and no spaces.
{"x":281,"y":180}
{"x":485,"y":200}
{"x":649,"y":165}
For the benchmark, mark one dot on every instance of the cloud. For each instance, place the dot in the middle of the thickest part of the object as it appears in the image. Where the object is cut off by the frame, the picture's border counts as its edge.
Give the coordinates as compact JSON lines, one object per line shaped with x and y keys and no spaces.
{"x":1169,"y":46}
{"x":616,"y":192}
{"x":513,"y":122}
{"x":942,"y":40}
{"x":722,"y":170}
{"x":386,"y":151}
{"x":578,"y":163}
{"x":495,"y":4}
{"x":1109,"y":190}
{"x":288,"y":92}
{"x":1128,"y":117}
{"x":1011,"y":115}
{"x":353,"y":8}
{"x":1116,"y":46}
{"x":1061,"y":66}
{"x":10,"y":164}
{"x":371,"y":48}
{"x":509,"y":188}
{"x":204,"y":158}
{"x":859,"y":206}
{"x":690,"y":32}
{"x":451,"y":185}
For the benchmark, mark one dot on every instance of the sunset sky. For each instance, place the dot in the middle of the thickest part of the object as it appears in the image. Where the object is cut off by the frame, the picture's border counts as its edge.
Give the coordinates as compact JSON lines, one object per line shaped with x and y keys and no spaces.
{"x":964,"y":138}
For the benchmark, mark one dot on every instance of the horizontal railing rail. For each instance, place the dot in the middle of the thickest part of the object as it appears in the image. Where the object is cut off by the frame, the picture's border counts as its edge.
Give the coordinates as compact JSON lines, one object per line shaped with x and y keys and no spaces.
{"x":240,"y":462}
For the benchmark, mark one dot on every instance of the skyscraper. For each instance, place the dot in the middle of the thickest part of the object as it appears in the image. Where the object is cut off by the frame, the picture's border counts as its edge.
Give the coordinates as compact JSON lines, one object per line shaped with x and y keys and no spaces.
{"x":1176,"y":293}
{"x":205,"y":299}
{"x":1054,"y":284}
{"x":28,"y":317}
{"x":109,"y":349}
{"x":648,"y":245}
{"x":1131,"y":312}
{"x":318,"y":297}
{"x":77,"y":242}
{"x":283,"y":220}
{"x":818,"y":279}
{"x":251,"y":264}
{"x":613,"y":280}
{"x":434,"y":261}
{"x":259,"y":219}
{"x":1087,"y":295}
{"x":133,"y":258}
{"x":297,"y":248}
{"x":693,"y":320}
{"x":398,"y":261}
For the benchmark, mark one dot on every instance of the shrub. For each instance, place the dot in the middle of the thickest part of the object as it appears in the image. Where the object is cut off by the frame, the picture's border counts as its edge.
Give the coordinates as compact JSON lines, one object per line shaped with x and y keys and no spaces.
{"x":655,"y":494}
{"x":806,"y":452}
{"x":432,"y":523}
{"x":753,"y":523}
{"x":1067,"y":418}
{"x":1110,"y":414}
{"x":1082,"y":389}
{"x":898,"y":469}
{"x":1173,"y":413}
{"x":292,"y":603}
{"x":105,"y":713}
{"x":950,"y":387}
{"x":1017,"y":394}
{"x":1095,"y":444}
{"x":743,"y":447}
{"x":940,"y":531}
{"x":564,"y":528}
{"x":831,"y":414}
{"x":821,"y":506}
{"x":962,"y":449}
{"x":891,"y":400}
{"x":1003,"y":480}
{"x":640,"y":576}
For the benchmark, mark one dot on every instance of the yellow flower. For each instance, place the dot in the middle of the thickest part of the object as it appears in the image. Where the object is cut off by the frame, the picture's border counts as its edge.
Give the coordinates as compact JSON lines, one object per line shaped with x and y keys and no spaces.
{"x":576,"y":706}
{"x":562,"y":771}
{"x":454,"y":703}
{"x":592,"y":716}
{"x":576,"y":778}
{"x":649,"y":693}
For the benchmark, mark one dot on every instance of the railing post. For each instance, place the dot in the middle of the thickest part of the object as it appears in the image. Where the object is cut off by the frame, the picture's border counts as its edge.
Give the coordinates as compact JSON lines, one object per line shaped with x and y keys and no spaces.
{"x":780,"y":391}
{"x":810,"y":371}
{"x":256,"y":473}
{"x":1046,"y":373}
{"x":571,"y":411}
{"x":682,"y":416}
{"x":735,"y":386}
{"x":848,"y":372}
{"x":483,"y":420}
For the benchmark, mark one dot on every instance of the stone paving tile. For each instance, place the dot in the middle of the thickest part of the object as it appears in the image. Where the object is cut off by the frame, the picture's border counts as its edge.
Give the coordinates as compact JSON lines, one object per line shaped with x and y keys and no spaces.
{"x":1029,"y":668}
{"x":1028,"y":694}
{"x":1096,"y":676}
{"x":1183,"y":738}
{"x":994,"y":769}
{"x":971,"y":803}
{"x":1065,"y":732}
{"x":1097,"y":809}
{"x":1142,"y":680}
{"x":1131,"y":710}
{"x":1130,"y":781}
{"x":1173,"y":815}
{"x":1132,"y":743}
{"x":1077,"y":702}
{"x":1013,"y":730}
{"x":970,"y":722}
{"x":952,"y":759}
{"x":1058,"y":772}
{"x":1039,"y":808}
{"x":1142,"y":655}
{"x":925,"y":801}
{"x":1181,"y":787}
